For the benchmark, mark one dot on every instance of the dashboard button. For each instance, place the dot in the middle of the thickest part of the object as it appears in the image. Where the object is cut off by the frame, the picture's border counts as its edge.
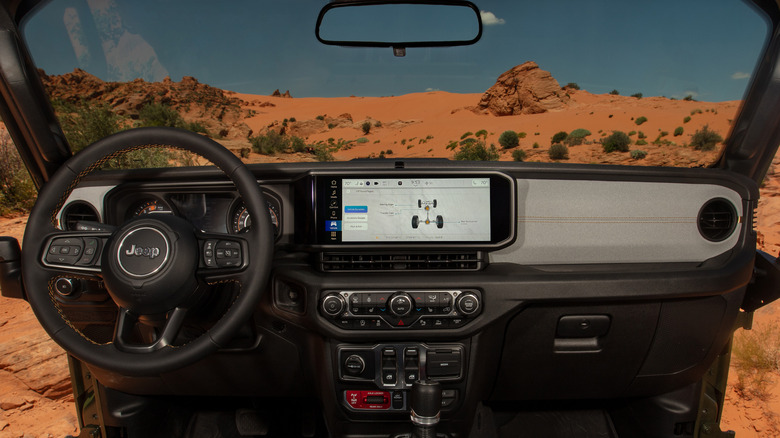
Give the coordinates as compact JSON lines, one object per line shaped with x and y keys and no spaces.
{"x":401,"y":304}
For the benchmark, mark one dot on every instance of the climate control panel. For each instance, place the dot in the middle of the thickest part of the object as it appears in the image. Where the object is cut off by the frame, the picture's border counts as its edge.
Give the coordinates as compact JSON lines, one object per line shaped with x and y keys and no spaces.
{"x":416,"y":309}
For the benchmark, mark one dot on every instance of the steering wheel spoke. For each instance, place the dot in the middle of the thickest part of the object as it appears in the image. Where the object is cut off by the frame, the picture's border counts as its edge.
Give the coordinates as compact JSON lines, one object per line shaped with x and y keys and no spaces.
{"x":74,"y":252}
{"x":164,"y":336}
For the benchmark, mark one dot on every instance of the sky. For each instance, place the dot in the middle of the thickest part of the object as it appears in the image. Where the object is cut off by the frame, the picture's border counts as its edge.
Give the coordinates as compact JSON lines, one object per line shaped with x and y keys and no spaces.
{"x":669,"y":48}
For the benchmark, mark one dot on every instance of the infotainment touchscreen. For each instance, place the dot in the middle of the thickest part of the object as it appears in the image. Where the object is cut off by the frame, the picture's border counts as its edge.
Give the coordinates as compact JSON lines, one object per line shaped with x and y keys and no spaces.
{"x":411,"y":210}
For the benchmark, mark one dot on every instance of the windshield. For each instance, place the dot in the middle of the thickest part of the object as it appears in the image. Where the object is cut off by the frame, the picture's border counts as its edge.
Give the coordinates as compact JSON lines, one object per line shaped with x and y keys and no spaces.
{"x":604,"y":82}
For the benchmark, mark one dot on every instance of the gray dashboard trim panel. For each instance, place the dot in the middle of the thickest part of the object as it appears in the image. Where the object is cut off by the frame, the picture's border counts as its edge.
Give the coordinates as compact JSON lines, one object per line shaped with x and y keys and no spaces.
{"x":585,"y":222}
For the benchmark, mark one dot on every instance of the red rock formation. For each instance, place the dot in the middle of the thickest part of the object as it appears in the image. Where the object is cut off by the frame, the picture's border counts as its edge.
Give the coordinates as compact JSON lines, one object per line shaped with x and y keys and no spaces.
{"x":524,"y":89}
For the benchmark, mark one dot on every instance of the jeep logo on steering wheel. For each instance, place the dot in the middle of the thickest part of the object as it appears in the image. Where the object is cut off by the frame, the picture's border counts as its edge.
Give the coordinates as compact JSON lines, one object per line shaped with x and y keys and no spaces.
{"x":143,"y":252}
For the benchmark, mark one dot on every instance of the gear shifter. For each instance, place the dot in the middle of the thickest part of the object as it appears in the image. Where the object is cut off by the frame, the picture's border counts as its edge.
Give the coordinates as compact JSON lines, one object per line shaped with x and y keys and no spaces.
{"x":425,"y":407}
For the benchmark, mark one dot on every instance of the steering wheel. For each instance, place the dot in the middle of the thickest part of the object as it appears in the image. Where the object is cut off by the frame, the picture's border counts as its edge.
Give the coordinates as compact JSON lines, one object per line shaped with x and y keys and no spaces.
{"x":153,"y":267}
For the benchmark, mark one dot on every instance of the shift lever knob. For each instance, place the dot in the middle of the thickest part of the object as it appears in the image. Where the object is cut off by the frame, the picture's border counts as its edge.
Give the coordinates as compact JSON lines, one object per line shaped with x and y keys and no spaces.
{"x":426,"y":403}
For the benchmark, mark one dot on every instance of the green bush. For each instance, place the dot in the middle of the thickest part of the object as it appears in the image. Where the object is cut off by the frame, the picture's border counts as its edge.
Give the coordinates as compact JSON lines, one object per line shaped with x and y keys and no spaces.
{"x":678,"y":131}
{"x":244,"y":152}
{"x":641,"y":142}
{"x":389,"y":152}
{"x":293,"y":120}
{"x":466,"y":134}
{"x":366,"y":126}
{"x":638,"y":155}
{"x":452,"y":145}
{"x":270,"y":143}
{"x":705,"y":139}
{"x":377,"y":124}
{"x":631,"y":133}
{"x":322,"y":153}
{"x":536,"y":145}
{"x":614,"y":92}
{"x":17,"y":192}
{"x":637,"y":95}
{"x":468,"y":141}
{"x":320,"y":117}
{"x":573,"y":86}
{"x":618,"y":141}
{"x":559,"y":137}
{"x":518,"y":155}
{"x":558,"y":151}
{"x":477,"y":151}
{"x":86,"y":124}
{"x":688,"y":97}
{"x":362,"y":140}
{"x":297,"y":144}
{"x":521,"y":135}
{"x":483,"y":133}
{"x":157,"y":114}
{"x":641,"y":134}
{"x":687,"y":119}
{"x":576,"y":137}
{"x":640,"y":120}
{"x":509,"y":139}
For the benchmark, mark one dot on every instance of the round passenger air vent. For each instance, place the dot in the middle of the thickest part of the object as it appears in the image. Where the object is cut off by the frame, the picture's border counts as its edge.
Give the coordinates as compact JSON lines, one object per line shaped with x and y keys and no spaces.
{"x":77,"y":212}
{"x":717,"y":220}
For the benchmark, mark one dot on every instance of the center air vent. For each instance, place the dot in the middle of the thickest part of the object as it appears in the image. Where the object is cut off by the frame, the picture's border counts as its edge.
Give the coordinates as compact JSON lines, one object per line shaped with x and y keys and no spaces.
{"x":717,"y":220}
{"x":76,"y":212}
{"x":440,"y":261}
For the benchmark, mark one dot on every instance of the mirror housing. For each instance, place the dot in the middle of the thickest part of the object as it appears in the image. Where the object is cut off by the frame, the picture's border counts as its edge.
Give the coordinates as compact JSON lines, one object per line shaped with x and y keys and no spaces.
{"x":399,"y":24}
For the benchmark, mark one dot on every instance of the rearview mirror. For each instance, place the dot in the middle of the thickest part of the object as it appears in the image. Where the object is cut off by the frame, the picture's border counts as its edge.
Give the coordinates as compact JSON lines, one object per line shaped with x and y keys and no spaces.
{"x":399,"y":24}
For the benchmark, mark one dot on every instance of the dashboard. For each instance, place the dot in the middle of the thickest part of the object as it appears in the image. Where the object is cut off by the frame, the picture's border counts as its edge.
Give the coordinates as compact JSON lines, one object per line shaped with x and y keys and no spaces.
{"x":477,"y":277}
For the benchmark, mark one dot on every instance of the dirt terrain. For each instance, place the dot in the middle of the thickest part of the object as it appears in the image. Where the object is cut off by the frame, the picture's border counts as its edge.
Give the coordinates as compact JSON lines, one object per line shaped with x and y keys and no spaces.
{"x":34,"y":384}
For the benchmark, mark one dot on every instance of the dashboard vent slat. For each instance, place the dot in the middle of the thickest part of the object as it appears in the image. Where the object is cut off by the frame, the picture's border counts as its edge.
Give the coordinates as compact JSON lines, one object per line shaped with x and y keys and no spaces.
{"x":717,"y":220}
{"x":77,"y":212}
{"x":346,"y":262}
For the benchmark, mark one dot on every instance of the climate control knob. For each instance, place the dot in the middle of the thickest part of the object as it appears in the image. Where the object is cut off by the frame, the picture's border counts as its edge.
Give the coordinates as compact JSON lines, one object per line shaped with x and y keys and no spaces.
{"x":400,"y":304}
{"x":333,"y":305}
{"x":468,"y":304}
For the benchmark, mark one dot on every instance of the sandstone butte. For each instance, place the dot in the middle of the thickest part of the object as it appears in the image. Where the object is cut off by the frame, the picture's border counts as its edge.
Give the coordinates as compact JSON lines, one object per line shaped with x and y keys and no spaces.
{"x":524,"y":89}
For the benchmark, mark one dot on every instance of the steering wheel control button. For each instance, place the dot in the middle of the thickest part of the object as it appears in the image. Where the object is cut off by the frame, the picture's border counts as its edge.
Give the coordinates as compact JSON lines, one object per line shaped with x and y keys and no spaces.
{"x":67,"y":287}
{"x":143,"y":252}
{"x":65,"y":251}
{"x":333,"y":305}
{"x":468,"y":304}
{"x":227,"y":254}
{"x":401,"y":305}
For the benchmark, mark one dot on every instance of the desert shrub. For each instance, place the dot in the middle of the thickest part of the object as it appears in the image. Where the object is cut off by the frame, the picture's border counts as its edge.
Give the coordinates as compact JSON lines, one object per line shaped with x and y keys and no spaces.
{"x":641,"y":142}
{"x":573,"y":86}
{"x":631,"y":133}
{"x":688,"y":97}
{"x":85,"y":124}
{"x":483,"y":133}
{"x":477,"y":151}
{"x":705,"y":139}
{"x":518,"y":155}
{"x":678,"y":131}
{"x":468,"y":141}
{"x":157,"y":114}
{"x":269,"y":143}
{"x":244,"y":152}
{"x":640,"y":120}
{"x":389,"y":152}
{"x":696,"y":111}
{"x":366,"y":126}
{"x":466,"y":134}
{"x":576,"y":137}
{"x":755,"y":356}
{"x":521,"y":135}
{"x":377,"y":124}
{"x":452,"y":145}
{"x":297,"y":144}
{"x":17,"y":192}
{"x":331,"y":125}
{"x":558,"y":151}
{"x":614,"y":92}
{"x":536,"y":145}
{"x":687,"y":119}
{"x":362,"y":140}
{"x":559,"y":137}
{"x":509,"y":139}
{"x":323,"y":153}
{"x":320,"y":117}
{"x":641,"y":134}
{"x":618,"y":141}
{"x":198,"y":127}
{"x":638,"y":155}
{"x":637,"y":95}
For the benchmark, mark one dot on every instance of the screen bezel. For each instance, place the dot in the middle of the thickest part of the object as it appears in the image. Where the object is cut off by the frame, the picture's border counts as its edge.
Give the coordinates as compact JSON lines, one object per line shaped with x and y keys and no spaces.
{"x":502,"y":210}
